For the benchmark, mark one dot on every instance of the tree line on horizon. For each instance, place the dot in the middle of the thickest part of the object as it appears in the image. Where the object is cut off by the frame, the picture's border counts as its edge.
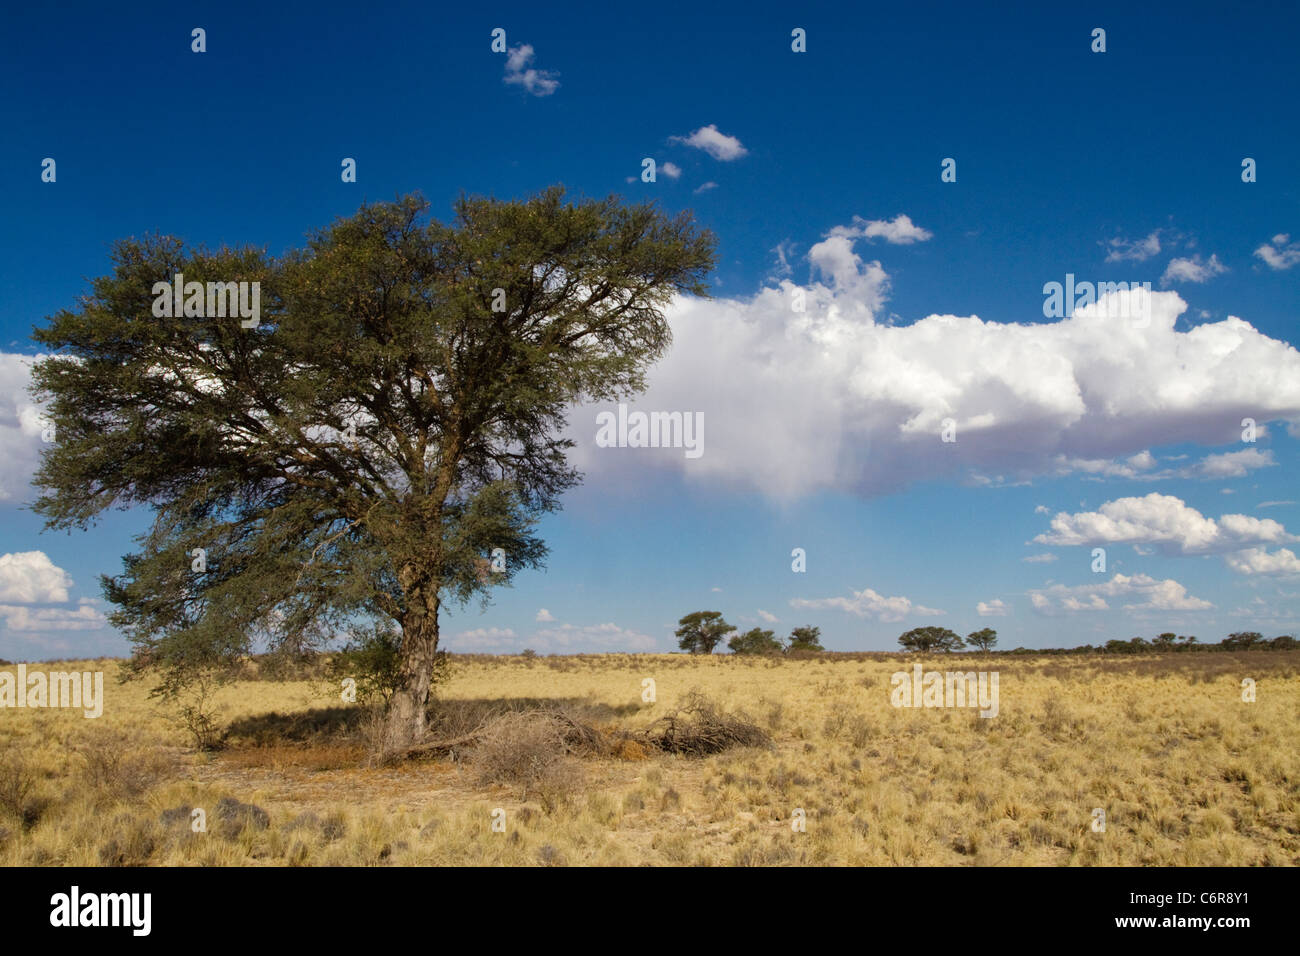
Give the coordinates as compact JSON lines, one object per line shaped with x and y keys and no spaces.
{"x":701,"y":631}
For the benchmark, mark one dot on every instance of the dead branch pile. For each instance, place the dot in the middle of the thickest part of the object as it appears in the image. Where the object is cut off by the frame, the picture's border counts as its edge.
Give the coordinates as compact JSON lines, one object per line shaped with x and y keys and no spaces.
{"x":699,"y":728}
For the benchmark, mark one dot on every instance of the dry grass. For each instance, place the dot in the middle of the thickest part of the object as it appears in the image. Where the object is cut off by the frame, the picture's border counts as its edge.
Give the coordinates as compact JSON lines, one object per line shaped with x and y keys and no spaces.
{"x":586,"y":773}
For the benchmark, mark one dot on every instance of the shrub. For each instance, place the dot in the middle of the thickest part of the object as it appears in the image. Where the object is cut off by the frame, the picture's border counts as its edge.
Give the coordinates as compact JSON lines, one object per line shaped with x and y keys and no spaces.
{"x":755,"y":641}
{"x":805,"y":639}
{"x":17,"y":781}
{"x":373,"y":658}
{"x":528,"y":750}
{"x":117,"y":765}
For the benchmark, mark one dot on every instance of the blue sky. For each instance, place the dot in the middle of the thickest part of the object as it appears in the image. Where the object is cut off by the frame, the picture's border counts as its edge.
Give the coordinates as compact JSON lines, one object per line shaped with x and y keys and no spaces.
{"x":820,"y":173}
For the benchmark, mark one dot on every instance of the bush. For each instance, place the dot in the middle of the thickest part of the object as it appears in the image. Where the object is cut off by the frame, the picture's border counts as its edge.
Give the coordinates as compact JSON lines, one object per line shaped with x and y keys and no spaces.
{"x":117,"y":765}
{"x":373,"y":658}
{"x":530,"y":751}
{"x":805,"y":639}
{"x":198,"y":711}
{"x":755,"y":641}
{"x":17,"y":781}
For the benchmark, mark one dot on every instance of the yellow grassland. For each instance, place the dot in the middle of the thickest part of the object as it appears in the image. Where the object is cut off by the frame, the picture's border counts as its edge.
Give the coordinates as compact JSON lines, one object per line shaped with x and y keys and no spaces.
{"x":1184,"y":770}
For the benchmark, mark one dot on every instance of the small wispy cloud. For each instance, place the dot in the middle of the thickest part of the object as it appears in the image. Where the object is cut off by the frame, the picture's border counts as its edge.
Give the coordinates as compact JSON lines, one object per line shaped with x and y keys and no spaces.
{"x":718,"y":145}
{"x":899,"y":231}
{"x":1045,"y":558}
{"x":1194,"y":269}
{"x":1132,"y":250}
{"x":1280,"y":253}
{"x":520,"y":73}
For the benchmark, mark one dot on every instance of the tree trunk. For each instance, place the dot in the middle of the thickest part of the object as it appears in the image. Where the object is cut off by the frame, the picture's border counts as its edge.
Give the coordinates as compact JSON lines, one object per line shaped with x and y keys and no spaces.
{"x":406,"y":720}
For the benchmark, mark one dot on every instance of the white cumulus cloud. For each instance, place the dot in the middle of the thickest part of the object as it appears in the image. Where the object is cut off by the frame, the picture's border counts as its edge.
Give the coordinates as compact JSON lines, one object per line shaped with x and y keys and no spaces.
{"x":857,"y":405}
{"x":1164,"y":521}
{"x":1145,"y":594}
{"x":20,"y":429}
{"x":1260,"y":561}
{"x":30,"y":577}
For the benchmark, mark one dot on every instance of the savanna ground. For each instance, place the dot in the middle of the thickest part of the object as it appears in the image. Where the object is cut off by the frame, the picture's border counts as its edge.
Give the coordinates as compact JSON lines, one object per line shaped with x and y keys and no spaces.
{"x":1185,"y":771}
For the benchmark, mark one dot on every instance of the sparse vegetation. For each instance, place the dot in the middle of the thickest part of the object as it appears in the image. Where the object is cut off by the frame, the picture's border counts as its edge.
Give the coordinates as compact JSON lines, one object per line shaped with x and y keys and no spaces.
{"x":588,"y":773}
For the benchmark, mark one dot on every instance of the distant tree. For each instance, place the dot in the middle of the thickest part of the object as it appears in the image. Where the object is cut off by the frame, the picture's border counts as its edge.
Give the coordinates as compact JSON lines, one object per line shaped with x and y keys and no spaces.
{"x":805,"y":639}
{"x":1185,"y":641}
{"x":701,"y":631}
{"x":1166,"y":640}
{"x":1242,"y":640}
{"x":755,"y":641}
{"x":984,"y":638}
{"x":931,"y":639}
{"x":1284,"y":642}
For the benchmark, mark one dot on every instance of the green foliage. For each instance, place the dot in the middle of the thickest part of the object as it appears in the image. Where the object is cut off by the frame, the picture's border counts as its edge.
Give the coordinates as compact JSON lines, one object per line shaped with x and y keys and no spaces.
{"x":1243,"y":640}
{"x":373,"y":658}
{"x":926,"y":639}
{"x":700,"y":632}
{"x":805,"y":639}
{"x":983,"y":639}
{"x":755,"y":641}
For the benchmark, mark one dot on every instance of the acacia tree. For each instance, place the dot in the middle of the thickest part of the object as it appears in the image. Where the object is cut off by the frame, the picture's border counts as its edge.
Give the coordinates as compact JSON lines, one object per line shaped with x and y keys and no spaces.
{"x":382,"y":442}
{"x":756,"y":640}
{"x":931,"y":638}
{"x":700,"y":631}
{"x":805,"y":639}
{"x":984,"y":638}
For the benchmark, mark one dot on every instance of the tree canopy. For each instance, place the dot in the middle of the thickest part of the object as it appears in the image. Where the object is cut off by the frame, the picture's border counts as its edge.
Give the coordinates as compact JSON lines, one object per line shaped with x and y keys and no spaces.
{"x":931,"y":639}
{"x":755,"y":641}
{"x":805,"y":639}
{"x":700,"y":631}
